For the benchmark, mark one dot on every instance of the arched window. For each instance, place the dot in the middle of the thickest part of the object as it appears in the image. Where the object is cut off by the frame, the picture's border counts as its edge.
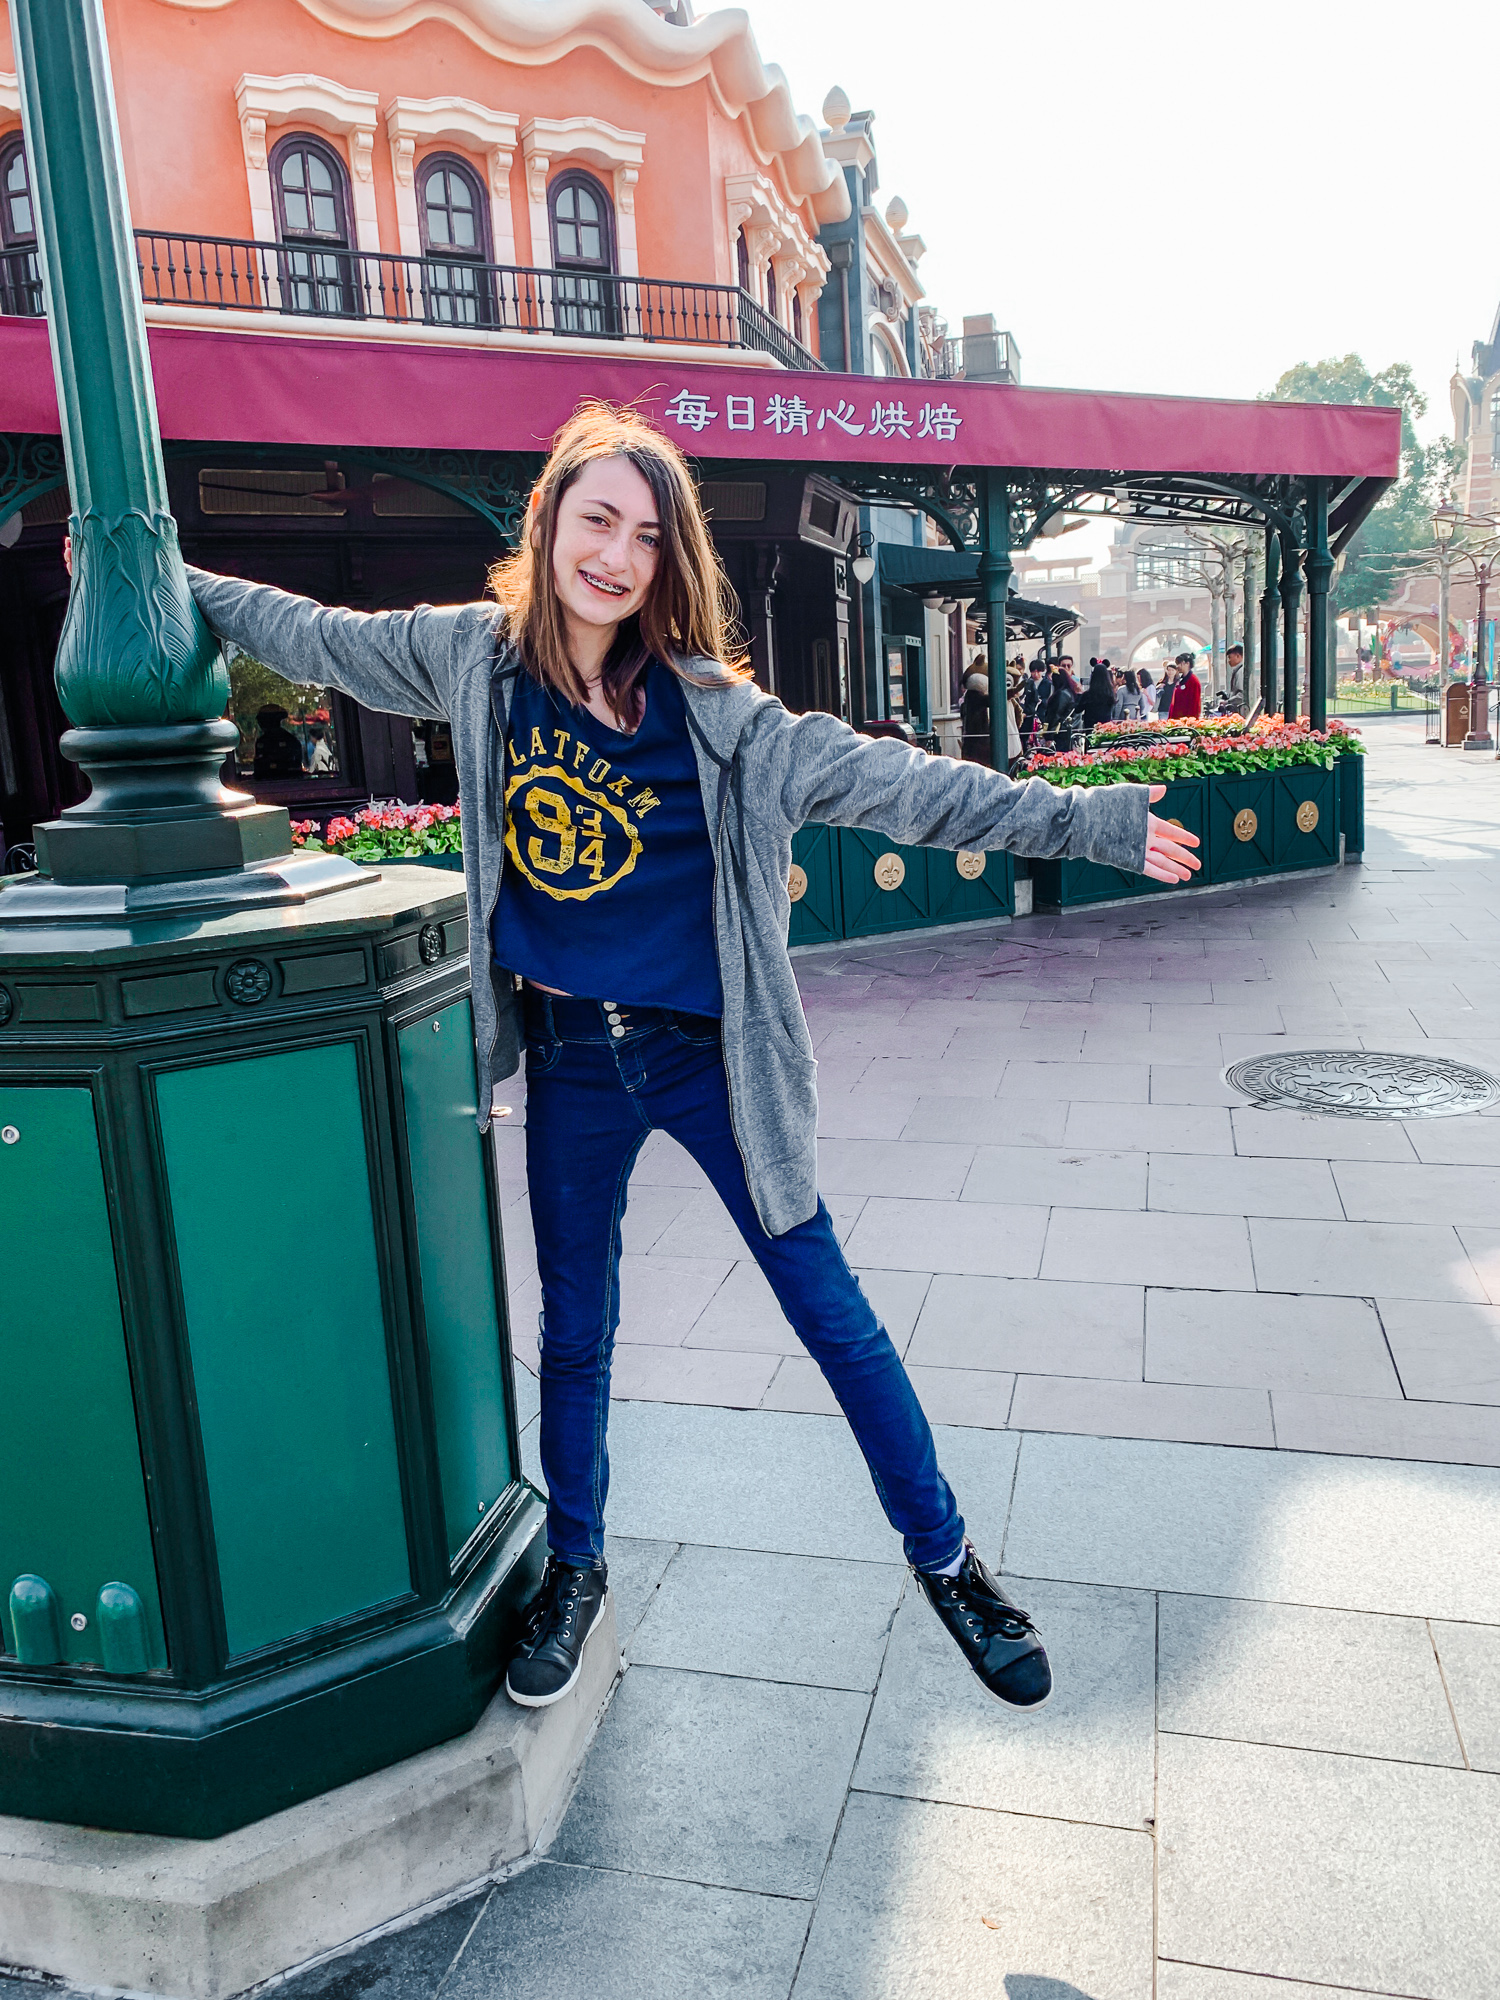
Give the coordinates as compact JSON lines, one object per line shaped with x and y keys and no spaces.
{"x":742,"y":260}
{"x":583,"y":253}
{"x":796,"y":315}
{"x":773,"y":303}
{"x":455,"y":243}
{"x":312,"y":220}
{"x":20,"y":272}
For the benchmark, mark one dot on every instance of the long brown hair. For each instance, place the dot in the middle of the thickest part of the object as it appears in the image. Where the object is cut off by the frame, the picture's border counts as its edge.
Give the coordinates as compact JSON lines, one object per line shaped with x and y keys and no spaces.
{"x":690,"y":614}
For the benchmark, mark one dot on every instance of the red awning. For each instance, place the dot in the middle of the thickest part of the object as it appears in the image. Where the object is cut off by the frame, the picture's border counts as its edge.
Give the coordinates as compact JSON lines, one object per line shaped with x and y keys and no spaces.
{"x":285,"y":388}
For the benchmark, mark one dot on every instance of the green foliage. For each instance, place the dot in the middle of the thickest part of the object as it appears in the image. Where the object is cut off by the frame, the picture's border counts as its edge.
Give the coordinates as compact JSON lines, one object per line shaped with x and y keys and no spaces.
{"x":1217,"y":761}
{"x":1399,"y":531}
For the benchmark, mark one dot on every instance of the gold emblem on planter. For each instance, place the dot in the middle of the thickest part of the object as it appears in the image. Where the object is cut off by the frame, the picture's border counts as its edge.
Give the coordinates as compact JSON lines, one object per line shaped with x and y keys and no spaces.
{"x":1174,"y":822}
{"x":1307,"y":816}
{"x":970,"y":865}
{"x":1245,"y":824}
{"x":796,"y":883}
{"x":890,"y":872}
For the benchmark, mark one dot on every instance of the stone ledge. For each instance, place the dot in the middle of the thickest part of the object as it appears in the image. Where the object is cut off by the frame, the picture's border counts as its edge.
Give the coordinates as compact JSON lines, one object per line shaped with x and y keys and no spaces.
{"x":203,"y":1920}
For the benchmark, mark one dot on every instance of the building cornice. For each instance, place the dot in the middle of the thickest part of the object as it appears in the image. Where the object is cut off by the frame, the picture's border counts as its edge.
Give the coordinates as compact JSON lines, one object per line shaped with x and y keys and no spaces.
{"x":720,"y":48}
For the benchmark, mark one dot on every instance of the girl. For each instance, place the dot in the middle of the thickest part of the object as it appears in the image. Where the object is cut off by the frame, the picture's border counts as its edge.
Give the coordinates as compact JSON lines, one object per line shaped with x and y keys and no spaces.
{"x":629,"y":798}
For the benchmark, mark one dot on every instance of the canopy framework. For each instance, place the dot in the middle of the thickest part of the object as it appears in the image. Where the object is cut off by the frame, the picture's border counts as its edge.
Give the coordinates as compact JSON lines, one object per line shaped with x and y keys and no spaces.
{"x":991,"y":465}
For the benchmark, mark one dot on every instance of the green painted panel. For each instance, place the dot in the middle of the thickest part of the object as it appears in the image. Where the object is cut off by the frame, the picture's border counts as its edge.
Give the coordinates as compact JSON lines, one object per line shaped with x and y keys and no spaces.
{"x":1317,"y":846}
{"x":954,"y":900}
{"x":281,"y":1292}
{"x":819,"y":916}
{"x":72,"y":1498}
{"x":1249,"y":852}
{"x":1351,"y":797}
{"x":465,"y":1345}
{"x":869,"y":908}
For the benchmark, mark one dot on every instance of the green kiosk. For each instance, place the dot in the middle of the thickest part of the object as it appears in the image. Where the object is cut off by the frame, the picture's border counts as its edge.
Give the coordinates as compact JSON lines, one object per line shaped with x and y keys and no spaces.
{"x":262,"y":1523}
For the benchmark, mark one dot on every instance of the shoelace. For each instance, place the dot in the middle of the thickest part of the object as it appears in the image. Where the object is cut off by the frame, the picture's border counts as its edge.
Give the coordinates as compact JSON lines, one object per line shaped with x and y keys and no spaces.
{"x":1014,"y":1623}
{"x":555,"y":1610}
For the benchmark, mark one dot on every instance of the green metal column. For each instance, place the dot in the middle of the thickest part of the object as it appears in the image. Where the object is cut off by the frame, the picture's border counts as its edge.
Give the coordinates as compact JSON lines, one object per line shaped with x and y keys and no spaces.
{"x":1269,"y":599}
{"x":1247,"y":575}
{"x":1319,"y":574}
{"x":138,"y":673}
{"x":995,"y":571}
{"x":1291,"y":592}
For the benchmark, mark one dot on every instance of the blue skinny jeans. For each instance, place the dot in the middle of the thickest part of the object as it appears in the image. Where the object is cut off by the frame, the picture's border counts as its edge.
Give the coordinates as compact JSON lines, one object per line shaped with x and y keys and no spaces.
{"x":592,"y":1098}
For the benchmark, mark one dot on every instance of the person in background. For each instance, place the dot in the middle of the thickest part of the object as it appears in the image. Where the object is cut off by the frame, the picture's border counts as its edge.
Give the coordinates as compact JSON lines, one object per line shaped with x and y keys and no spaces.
{"x":1034,"y":703}
{"x":976,"y":713}
{"x":1015,"y":683}
{"x":319,"y":757}
{"x":1187,"y":695}
{"x":1098,"y":704}
{"x":278,"y":754}
{"x":1164,"y":688}
{"x":1147,"y":689}
{"x":1130,"y":702}
{"x":1061,"y":706}
{"x":1234,"y":662}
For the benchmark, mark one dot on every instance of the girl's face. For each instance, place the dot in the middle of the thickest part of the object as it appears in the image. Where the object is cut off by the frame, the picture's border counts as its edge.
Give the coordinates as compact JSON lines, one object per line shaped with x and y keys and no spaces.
{"x":607,"y":543}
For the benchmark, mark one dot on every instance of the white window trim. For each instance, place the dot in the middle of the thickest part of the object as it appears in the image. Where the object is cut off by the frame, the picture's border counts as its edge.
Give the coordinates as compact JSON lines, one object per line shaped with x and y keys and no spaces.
{"x":266,"y":102}
{"x":10,"y":93}
{"x":562,"y":142}
{"x":774,"y":234}
{"x":453,"y":121}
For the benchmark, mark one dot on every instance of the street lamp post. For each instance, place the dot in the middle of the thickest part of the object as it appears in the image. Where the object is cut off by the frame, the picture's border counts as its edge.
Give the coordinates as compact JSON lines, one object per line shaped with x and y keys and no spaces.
{"x":1444,"y":527}
{"x":262,"y":1522}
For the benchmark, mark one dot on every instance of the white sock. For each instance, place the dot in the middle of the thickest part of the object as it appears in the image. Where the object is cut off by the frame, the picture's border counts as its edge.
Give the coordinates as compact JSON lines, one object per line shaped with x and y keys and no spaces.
{"x":950,"y":1569}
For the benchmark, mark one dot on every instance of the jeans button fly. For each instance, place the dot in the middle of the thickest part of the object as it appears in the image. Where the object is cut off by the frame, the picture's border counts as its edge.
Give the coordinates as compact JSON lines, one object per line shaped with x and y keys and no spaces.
{"x":617,"y":1031}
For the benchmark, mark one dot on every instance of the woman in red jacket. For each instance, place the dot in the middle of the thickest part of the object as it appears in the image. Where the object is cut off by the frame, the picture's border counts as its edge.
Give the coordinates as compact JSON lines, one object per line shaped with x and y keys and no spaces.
{"x":1187,"y":695}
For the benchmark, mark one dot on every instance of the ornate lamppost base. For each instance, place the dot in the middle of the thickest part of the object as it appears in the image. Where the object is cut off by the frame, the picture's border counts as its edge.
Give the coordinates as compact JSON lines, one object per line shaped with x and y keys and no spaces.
{"x":263,"y":1526}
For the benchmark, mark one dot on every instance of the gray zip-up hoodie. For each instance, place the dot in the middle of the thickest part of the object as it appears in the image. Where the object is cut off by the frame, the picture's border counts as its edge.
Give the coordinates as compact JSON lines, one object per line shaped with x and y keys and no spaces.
{"x":763,"y":772}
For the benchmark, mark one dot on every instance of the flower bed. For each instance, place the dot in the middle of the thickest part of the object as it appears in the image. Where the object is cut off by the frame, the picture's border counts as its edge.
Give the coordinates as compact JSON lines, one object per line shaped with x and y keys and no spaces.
{"x":388,"y":833}
{"x":1268,"y":745}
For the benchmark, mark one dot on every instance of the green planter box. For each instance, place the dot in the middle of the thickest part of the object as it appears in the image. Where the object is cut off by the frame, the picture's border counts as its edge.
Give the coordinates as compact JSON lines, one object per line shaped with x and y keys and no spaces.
{"x":817,"y":901}
{"x":1304,"y":818}
{"x":1062,"y":884}
{"x":1241,"y":817}
{"x":957,"y":895}
{"x":884,"y":887}
{"x":1350,"y":774}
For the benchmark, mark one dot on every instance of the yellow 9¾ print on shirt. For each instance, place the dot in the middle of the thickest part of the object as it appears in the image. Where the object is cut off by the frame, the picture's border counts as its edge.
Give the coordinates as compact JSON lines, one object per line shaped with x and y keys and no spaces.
{"x":569,"y":839}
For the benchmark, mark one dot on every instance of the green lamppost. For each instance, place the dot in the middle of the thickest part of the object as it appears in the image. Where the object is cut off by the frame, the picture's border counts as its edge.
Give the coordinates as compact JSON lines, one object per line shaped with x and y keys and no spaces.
{"x":995,"y":572}
{"x":262,"y":1527}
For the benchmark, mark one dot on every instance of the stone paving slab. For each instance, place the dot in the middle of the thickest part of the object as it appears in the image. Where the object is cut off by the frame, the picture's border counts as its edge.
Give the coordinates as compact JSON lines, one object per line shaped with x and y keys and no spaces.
{"x":731,"y":1783}
{"x":925,"y":1902}
{"x":1348,"y":1871}
{"x":1289,"y":1527}
{"x":1087,"y":1754}
{"x":1306,"y":1679}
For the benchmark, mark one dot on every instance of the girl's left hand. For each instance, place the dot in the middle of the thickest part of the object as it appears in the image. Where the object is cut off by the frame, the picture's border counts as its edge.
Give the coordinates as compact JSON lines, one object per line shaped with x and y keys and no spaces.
{"x":1168,"y":848}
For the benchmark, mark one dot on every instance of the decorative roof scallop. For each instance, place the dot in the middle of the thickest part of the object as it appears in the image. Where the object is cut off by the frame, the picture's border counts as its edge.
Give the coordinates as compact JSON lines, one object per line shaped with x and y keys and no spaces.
{"x":720,"y":47}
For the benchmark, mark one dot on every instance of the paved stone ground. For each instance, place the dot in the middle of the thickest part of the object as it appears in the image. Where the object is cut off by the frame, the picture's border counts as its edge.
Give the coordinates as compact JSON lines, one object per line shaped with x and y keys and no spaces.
{"x":1219,"y":1389}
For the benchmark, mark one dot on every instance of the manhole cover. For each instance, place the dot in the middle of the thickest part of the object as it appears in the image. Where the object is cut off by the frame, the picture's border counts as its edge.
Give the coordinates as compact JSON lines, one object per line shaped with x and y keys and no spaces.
{"x":1358,"y":1083}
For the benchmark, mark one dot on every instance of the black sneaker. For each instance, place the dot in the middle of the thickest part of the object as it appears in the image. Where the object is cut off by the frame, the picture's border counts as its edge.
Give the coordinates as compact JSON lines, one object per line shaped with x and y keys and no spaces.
{"x":995,"y":1636}
{"x":567,"y":1607}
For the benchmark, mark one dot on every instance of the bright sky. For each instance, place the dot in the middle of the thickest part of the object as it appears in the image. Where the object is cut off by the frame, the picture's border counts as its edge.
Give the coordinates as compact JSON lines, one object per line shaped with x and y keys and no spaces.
{"x":1195,"y":195}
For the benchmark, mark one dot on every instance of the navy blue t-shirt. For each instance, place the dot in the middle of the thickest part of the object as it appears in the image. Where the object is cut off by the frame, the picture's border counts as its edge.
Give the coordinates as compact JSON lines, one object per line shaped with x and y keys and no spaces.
{"x":608,"y":884}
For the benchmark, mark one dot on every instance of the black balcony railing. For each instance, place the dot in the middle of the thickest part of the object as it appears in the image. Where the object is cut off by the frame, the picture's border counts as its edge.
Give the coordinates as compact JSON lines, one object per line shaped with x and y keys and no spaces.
{"x":20,"y":283}
{"x":227,"y":273}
